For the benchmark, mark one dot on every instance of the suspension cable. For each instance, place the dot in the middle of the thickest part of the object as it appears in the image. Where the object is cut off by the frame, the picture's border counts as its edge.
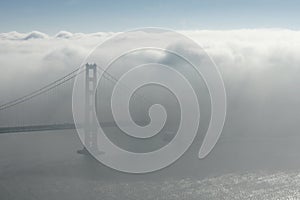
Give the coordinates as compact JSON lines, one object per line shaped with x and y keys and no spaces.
{"x":42,"y":90}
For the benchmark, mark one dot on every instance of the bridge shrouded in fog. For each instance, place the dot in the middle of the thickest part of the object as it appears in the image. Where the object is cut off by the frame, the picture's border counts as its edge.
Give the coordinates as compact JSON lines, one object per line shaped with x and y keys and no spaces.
{"x":30,"y":112}
{"x":50,"y":107}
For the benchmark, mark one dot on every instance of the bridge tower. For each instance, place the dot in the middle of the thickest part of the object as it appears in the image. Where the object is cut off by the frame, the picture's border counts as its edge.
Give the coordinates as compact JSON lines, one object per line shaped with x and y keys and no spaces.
{"x":90,"y":105}
{"x":90,"y":139}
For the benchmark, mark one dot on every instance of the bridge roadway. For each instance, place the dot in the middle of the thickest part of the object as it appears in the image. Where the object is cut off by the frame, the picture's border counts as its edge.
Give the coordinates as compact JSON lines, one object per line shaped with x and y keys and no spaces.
{"x":49,"y":127}
{"x":31,"y":128}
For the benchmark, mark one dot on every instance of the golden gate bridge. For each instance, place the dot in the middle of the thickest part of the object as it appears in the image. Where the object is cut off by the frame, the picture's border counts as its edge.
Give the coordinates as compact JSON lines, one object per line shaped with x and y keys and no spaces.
{"x":14,"y":117}
{"x":50,"y":107}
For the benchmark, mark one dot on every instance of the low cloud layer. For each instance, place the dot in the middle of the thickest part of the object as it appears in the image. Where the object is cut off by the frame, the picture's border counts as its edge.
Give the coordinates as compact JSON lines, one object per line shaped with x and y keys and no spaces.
{"x":260,"y":68}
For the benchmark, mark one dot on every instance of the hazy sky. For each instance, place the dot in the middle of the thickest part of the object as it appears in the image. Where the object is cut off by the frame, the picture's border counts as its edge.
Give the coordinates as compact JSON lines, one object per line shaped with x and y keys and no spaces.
{"x":92,"y":16}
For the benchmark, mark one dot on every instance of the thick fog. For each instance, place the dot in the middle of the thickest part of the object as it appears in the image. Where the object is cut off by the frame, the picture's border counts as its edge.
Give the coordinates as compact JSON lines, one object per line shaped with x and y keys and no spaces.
{"x":260,"y":69}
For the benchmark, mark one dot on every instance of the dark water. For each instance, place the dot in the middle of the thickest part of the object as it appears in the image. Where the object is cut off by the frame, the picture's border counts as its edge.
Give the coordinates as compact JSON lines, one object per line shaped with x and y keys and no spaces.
{"x":45,"y":165}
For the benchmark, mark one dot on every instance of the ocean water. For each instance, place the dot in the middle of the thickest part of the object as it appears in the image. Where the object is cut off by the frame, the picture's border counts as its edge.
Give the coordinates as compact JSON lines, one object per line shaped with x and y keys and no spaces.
{"x":45,"y":165}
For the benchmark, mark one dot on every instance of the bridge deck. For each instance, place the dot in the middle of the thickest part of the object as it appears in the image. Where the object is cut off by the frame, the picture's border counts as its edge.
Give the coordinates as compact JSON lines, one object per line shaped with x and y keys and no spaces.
{"x":47,"y":127}
{"x":31,"y":128}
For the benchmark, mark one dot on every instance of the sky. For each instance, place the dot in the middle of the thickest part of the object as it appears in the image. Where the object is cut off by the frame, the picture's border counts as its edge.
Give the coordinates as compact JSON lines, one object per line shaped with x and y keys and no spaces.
{"x":253,"y":57}
{"x":92,"y":16}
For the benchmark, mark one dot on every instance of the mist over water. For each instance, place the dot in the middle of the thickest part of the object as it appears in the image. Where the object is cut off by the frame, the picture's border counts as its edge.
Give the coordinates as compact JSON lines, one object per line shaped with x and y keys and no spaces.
{"x":45,"y":165}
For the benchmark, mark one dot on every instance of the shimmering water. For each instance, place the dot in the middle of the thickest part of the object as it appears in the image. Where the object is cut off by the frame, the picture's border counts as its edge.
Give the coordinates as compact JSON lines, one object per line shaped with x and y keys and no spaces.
{"x":260,"y":185}
{"x":45,"y":165}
